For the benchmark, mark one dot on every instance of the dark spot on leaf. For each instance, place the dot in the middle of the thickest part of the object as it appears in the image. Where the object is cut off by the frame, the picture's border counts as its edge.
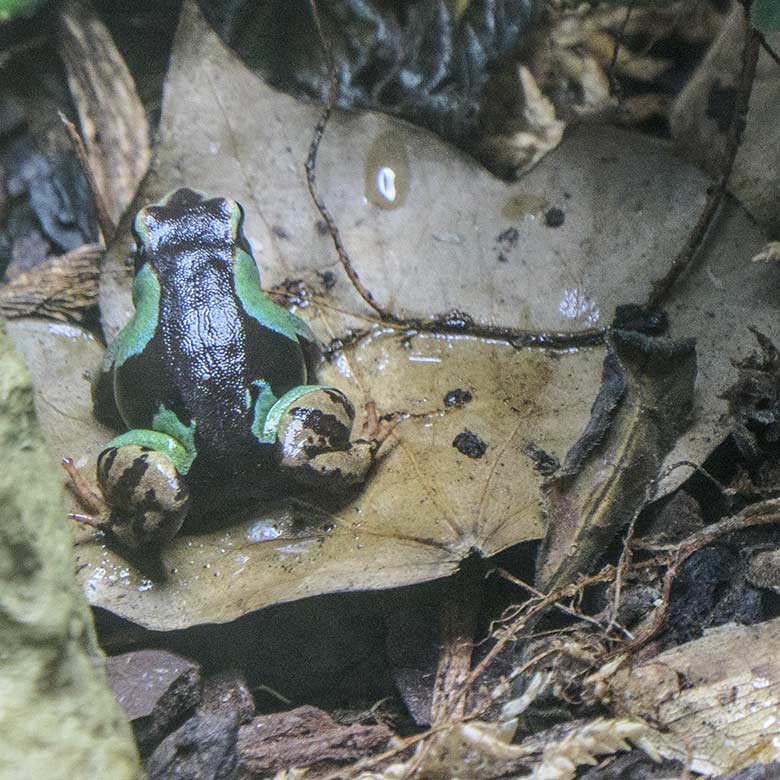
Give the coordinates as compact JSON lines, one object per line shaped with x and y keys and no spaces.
{"x":279,"y":231}
{"x":469,"y":444}
{"x":322,"y":227}
{"x":328,"y":279}
{"x":554,"y":217}
{"x":509,"y":238}
{"x":457,"y":397}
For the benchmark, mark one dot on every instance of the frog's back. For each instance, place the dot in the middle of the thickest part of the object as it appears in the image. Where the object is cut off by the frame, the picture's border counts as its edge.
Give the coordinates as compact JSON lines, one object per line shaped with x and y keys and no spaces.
{"x":207,"y":359}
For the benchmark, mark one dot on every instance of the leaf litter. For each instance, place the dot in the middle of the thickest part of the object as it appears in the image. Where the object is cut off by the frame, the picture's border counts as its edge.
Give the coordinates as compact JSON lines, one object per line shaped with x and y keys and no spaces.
{"x":465,"y":465}
{"x":441,"y":247}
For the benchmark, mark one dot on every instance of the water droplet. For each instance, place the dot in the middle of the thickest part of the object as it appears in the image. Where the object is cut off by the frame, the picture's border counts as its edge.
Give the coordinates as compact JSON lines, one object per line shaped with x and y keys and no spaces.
{"x":385,"y":183}
{"x":387,"y":176}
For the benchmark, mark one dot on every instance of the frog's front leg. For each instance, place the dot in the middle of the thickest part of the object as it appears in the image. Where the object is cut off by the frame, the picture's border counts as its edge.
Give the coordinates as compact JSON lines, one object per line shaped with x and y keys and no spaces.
{"x":146,"y":493}
{"x":312,"y":430}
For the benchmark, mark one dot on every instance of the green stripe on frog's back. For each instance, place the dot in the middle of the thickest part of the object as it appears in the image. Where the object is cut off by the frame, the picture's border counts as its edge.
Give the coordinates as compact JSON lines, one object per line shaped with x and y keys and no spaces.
{"x":247,"y":282}
{"x":134,"y":337}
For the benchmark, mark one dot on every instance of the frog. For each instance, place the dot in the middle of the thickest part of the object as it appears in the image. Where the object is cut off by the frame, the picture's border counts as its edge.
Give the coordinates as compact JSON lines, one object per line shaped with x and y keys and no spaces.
{"x":212,"y":382}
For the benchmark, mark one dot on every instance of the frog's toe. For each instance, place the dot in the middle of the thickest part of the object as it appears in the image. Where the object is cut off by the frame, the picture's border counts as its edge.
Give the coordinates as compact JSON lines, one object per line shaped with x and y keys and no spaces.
{"x":147,"y":496}
{"x":314,"y":441}
{"x":339,"y":470}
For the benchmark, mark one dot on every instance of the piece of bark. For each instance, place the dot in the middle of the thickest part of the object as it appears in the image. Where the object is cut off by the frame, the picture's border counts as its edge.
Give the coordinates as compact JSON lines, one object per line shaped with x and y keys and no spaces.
{"x":156,"y":689}
{"x":204,"y":748}
{"x":112,"y":119}
{"x":636,"y":765}
{"x":227,"y":693}
{"x":715,"y":701}
{"x":63,"y":288}
{"x":755,"y":772}
{"x":303,"y":737}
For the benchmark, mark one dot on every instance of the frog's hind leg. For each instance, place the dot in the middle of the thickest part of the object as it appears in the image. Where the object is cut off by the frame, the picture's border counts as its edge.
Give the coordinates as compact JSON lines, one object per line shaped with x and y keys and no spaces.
{"x":312,"y":428}
{"x":147,"y":495}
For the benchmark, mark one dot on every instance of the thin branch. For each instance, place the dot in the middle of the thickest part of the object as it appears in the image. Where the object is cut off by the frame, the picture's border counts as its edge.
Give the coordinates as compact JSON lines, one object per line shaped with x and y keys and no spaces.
{"x":570,"y":611}
{"x":311,"y":176}
{"x":768,"y":49}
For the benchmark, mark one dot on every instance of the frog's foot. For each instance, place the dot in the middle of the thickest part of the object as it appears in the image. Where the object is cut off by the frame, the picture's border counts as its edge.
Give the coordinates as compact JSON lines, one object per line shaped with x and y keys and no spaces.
{"x":314,"y":439}
{"x":147,"y":497}
{"x":89,"y":500}
{"x":81,"y":488}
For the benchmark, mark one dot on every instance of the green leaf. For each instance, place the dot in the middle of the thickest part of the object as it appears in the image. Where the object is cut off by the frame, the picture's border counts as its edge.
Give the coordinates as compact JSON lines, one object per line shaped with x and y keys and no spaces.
{"x":765,"y":15}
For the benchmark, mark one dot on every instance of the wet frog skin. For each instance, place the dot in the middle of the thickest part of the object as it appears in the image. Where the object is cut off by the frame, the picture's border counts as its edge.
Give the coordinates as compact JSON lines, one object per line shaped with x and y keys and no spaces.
{"x":210,"y":378}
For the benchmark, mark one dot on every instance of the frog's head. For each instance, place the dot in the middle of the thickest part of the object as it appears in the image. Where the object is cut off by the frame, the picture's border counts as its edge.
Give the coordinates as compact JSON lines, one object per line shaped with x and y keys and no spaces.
{"x":186,"y":219}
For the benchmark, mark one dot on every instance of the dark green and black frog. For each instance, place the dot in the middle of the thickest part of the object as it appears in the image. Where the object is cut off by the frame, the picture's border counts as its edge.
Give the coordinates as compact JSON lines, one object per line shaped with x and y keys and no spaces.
{"x":211,"y":379}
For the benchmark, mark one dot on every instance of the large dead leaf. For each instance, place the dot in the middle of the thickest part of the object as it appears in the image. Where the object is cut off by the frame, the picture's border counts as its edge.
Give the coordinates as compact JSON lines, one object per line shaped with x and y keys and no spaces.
{"x":455,"y":238}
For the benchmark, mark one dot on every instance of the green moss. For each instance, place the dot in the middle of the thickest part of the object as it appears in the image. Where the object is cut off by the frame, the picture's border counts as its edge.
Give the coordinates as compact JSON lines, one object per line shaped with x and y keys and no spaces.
{"x":58,"y":718}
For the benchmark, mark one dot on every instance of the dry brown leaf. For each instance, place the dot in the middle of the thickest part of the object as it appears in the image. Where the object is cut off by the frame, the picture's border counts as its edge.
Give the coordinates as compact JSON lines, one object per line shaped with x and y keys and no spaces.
{"x":112,"y":118}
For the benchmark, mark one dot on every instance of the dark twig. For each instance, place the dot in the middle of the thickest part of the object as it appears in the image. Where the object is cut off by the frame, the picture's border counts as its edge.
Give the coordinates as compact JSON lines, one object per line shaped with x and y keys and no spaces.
{"x":768,"y":49}
{"x":311,"y":179}
{"x":685,"y":258}
{"x":311,"y":163}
